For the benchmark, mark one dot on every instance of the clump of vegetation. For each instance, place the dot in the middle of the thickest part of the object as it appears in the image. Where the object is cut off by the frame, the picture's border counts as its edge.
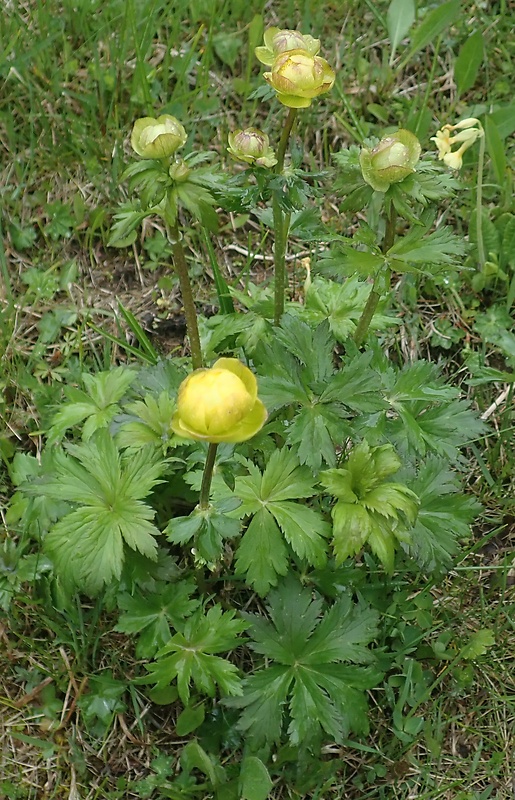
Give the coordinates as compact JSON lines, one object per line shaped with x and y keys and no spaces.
{"x":236,"y":560}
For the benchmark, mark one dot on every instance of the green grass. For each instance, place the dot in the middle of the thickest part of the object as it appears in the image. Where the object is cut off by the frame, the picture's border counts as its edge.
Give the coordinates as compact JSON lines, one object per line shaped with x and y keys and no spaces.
{"x":74,"y":78}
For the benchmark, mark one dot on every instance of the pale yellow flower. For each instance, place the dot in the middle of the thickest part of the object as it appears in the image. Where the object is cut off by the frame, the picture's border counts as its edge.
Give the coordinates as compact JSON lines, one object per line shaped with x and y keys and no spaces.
{"x":470,"y":130}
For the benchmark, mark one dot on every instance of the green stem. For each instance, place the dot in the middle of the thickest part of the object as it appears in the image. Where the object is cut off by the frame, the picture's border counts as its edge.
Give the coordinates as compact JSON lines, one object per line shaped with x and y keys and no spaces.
{"x":181,"y":267}
{"x":375,"y":296}
{"x":368,"y":312}
{"x":283,"y":141}
{"x":281,"y":224}
{"x":207,"y":477}
{"x":479,"y":204}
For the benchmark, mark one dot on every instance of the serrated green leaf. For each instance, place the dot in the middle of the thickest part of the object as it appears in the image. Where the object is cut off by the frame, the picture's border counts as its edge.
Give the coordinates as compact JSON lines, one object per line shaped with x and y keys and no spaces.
{"x":441,"y":247}
{"x":356,"y":386}
{"x":284,"y":479}
{"x":304,"y":529}
{"x":444,"y":516}
{"x":86,"y":545}
{"x":324,"y":694}
{"x":188,"y":656}
{"x":479,"y":643}
{"x":470,"y":58}
{"x":311,"y":431}
{"x":152,"y":615}
{"x":261,"y":554}
{"x":98,"y":405}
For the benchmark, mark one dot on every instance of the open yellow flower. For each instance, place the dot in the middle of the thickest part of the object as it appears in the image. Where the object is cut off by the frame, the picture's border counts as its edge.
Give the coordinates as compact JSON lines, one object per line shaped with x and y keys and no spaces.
{"x":219,"y":404}
{"x":298,"y":77}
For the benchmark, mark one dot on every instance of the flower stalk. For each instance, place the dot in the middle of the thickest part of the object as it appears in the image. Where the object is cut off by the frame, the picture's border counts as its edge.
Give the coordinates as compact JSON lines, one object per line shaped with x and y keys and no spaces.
{"x":207,"y":476}
{"x":381,"y":277}
{"x":281,"y":224}
{"x":181,"y":268}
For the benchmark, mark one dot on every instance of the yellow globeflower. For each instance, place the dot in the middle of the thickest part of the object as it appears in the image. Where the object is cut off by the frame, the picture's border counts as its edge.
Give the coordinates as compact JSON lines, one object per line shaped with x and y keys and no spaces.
{"x":279,"y":41}
{"x":298,"y":77}
{"x":219,"y":404}
{"x":157,"y":138}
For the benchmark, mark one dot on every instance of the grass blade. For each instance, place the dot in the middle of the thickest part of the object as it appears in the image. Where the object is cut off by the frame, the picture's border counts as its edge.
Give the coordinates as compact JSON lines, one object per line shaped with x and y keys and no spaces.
{"x":399,"y":18}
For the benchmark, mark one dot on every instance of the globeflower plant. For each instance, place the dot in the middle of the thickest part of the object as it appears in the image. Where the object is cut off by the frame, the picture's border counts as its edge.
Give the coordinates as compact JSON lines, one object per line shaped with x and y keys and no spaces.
{"x":157,"y":138}
{"x":219,"y":404}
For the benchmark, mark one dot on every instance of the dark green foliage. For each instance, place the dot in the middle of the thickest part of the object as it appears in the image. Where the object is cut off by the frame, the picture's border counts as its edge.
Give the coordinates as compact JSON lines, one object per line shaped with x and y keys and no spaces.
{"x":312,"y":682}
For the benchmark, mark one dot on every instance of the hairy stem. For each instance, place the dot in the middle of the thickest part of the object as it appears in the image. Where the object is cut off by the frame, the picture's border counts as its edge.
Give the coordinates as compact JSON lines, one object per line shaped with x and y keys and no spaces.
{"x":208,"y":475}
{"x":281,"y":224}
{"x":374,"y":296}
{"x":181,"y":267}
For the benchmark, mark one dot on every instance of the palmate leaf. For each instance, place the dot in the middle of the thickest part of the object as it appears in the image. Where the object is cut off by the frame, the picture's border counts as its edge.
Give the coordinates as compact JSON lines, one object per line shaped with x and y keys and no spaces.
{"x":269,"y":499}
{"x":341,"y":304}
{"x":308,"y":675}
{"x":442,"y":429}
{"x":443,"y":519}
{"x":298,"y":370}
{"x":189,"y":655}
{"x":87,"y":544}
{"x":429,"y":418}
{"x":151,"y":615}
{"x":429,"y":252}
{"x":148,"y":423}
{"x":314,"y":431}
{"x":98,"y":405}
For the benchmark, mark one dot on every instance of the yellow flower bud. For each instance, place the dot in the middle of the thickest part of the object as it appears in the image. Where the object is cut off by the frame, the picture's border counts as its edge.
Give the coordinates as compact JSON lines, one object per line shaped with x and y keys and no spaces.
{"x":219,"y":404}
{"x":392,"y":160}
{"x":179,"y":171}
{"x":298,"y":77}
{"x":157,"y":138}
{"x":279,"y":41}
{"x":251,"y":146}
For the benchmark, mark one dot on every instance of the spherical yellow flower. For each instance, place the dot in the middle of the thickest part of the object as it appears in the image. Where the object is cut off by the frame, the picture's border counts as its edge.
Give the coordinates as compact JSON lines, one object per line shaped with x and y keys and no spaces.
{"x":298,"y":77}
{"x":392,"y":160}
{"x":219,"y":404}
{"x":157,"y":138}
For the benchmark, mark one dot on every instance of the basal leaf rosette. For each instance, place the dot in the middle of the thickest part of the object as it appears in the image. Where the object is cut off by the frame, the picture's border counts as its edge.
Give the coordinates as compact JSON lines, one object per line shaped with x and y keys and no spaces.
{"x":219,"y":404}
{"x":157,"y":138}
{"x":392,"y":160}
{"x":279,"y":41}
{"x":299,"y":77}
{"x":251,"y":146}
